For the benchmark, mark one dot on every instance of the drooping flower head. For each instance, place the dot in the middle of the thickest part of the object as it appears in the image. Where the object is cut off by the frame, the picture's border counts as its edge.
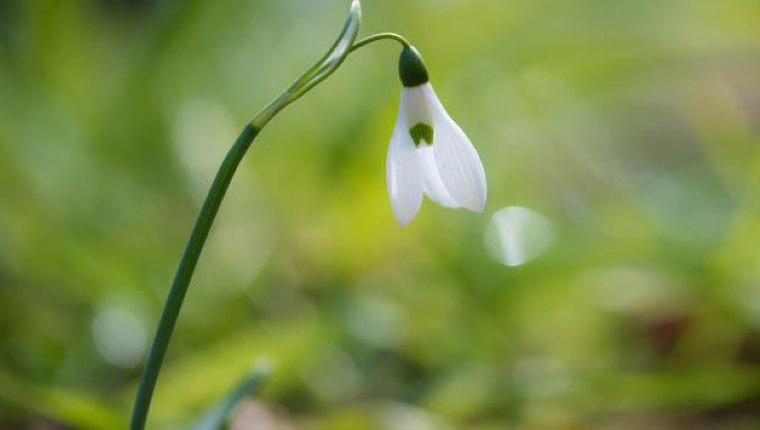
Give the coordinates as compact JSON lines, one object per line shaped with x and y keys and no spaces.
{"x":429,"y":154}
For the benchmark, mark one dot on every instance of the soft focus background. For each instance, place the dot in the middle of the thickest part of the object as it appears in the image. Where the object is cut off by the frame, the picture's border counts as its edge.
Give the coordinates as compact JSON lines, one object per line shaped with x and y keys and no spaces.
{"x":613,"y":281}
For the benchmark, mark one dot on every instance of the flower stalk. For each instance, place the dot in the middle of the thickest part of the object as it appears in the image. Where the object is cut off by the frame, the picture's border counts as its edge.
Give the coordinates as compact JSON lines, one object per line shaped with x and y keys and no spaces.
{"x":185,"y":272}
{"x":322,"y":69}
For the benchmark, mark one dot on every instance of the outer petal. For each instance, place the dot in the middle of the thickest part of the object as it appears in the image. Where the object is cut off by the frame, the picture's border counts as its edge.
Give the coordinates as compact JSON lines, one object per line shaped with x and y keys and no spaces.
{"x":433,"y":185}
{"x":458,"y":163}
{"x":404,"y":172}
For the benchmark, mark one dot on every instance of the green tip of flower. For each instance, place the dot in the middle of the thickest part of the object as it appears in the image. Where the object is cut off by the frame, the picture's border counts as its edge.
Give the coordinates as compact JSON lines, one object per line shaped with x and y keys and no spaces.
{"x":420,"y":132}
{"x":411,"y":67}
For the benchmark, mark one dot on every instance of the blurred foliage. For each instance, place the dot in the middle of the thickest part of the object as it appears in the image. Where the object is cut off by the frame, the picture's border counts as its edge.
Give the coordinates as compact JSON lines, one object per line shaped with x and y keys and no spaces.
{"x":626,"y":295}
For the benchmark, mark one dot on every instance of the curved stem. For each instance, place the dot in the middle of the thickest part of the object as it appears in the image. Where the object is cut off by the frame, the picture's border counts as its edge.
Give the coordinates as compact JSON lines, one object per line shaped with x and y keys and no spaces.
{"x":193,"y":250}
{"x":311,"y":78}
{"x":185,"y":272}
{"x":380,"y":36}
{"x":308,"y":85}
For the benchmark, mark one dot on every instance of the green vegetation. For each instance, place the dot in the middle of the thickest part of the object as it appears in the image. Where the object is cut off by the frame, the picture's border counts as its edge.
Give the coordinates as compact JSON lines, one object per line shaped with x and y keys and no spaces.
{"x":613,"y":281}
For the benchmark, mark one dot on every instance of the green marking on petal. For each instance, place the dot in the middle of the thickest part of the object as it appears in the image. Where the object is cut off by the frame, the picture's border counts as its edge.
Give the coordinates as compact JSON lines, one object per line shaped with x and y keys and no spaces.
{"x":421,"y":131}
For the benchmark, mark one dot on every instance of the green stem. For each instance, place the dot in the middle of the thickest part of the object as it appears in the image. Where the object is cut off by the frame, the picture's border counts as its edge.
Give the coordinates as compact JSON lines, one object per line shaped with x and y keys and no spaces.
{"x":185,"y":273}
{"x":361,"y":43}
{"x":380,"y":36}
{"x":193,"y":250}
{"x":197,"y":240}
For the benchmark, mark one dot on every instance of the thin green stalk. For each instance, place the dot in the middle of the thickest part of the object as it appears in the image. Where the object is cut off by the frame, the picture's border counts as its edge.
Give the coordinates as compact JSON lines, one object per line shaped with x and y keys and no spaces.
{"x":321,"y":70}
{"x":191,"y":254}
{"x":185,"y":273}
{"x":380,"y":36}
{"x":312,"y":77}
{"x":361,"y":43}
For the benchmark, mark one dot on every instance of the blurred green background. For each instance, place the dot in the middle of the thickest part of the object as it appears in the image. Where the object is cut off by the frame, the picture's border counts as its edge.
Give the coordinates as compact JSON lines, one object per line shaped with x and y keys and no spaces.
{"x":613,"y":281}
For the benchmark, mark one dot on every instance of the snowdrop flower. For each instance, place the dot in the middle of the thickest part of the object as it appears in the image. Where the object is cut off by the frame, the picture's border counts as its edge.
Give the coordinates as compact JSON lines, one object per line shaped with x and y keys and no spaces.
{"x":429,"y":154}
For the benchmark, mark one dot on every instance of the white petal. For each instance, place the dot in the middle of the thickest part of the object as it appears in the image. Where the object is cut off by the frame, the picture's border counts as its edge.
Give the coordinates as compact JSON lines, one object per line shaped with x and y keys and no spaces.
{"x":417,"y":105}
{"x":404,"y":172}
{"x":459,"y":165}
{"x":433,"y":185}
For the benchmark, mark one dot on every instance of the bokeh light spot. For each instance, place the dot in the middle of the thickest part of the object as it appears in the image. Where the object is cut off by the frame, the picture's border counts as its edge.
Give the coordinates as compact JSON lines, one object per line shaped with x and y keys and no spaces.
{"x":119,"y":337}
{"x":516,"y":235}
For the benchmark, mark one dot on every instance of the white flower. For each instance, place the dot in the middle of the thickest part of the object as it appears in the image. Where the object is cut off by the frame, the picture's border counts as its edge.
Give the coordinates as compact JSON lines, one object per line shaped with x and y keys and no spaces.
{"x":430,"y":154}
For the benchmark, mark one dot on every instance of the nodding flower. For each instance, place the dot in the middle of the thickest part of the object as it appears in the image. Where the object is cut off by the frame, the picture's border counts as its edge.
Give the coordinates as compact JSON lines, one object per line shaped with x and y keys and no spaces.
{"x":429,"y":154}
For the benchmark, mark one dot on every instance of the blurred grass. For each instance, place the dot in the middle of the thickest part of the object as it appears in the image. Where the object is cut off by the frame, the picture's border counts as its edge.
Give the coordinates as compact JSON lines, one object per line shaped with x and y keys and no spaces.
{"x":74,"y":408}
{"x":631,"y":127}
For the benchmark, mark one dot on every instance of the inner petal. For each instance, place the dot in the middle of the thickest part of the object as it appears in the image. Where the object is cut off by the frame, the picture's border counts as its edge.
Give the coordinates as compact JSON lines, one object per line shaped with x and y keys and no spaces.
{"x":420,"y":132}
{"x":432,"y":184}
{"x":417,"y":103}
